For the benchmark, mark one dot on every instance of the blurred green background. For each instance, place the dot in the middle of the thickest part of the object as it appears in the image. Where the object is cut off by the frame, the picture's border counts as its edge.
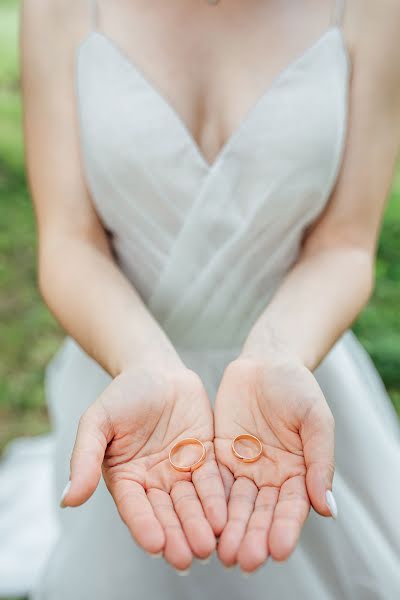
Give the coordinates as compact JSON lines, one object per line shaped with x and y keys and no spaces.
{"x":28,"y":333}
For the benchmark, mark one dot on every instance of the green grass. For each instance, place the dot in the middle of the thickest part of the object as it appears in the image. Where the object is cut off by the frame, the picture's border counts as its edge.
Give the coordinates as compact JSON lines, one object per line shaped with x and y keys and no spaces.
{"x":29,"y":335}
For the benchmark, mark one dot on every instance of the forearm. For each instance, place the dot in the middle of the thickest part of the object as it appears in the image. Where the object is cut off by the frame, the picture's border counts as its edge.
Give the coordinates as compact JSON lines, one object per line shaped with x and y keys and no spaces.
{"x":98,"y":306}
{"x":318,"y":300}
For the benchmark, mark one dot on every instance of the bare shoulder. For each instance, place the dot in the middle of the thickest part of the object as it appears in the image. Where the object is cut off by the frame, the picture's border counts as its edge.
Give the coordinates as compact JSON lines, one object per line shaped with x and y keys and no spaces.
{"x":49,"y":30}
{"x":374,"y":27}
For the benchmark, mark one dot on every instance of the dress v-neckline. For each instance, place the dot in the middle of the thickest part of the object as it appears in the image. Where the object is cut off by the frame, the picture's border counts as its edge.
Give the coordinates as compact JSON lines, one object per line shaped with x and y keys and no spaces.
{"x":231,"y":139}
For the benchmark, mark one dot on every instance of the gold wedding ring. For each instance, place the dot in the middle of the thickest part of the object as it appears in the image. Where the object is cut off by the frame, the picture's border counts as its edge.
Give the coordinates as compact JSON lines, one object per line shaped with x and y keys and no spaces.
{"x":253,"y":438}
{"x":194,"y":465}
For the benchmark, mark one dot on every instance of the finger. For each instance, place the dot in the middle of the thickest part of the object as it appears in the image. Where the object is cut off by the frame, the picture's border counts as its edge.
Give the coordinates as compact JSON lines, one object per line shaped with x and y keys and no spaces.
{"x":210,"y":489}
{"x":177,"y":551}
{"x":317,"y":434}
{"x":240,"y":507}
{"x":197,"y":529}
{"x":289,"y":517}
{"x":253,"y":550}
{"x":94,"y":433}
{"x":138,"y":515}
{"x":227,"y":479}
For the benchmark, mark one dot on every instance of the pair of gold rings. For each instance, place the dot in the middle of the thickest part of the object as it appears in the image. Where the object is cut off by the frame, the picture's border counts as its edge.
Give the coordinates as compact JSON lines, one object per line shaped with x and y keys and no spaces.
{"x":200,"y":461}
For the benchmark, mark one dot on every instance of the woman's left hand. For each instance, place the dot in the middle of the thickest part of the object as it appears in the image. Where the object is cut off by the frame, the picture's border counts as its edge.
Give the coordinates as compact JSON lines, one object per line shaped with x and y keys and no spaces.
{"x":279,"y":400}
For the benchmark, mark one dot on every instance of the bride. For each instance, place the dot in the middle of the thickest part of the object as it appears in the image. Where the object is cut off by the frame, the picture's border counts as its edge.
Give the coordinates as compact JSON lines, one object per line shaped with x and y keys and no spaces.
{"x":209,"y":180}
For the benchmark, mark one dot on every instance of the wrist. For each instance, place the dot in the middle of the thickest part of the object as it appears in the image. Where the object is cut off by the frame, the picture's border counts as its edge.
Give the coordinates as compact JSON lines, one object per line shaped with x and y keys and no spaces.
{"x":270,"y":347}
{"x":157,"y":354}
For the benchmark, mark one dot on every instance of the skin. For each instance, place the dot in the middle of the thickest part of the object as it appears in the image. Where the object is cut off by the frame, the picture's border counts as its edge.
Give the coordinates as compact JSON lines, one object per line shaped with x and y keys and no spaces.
{"x":269,"y":389}
{"x":127,"y":434}
{"x":281,"y":403}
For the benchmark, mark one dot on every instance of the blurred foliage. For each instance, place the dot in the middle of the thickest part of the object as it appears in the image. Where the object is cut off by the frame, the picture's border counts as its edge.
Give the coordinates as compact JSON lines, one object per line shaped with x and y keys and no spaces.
{"x":378,"y":326}
{"x":28,"y":333}
{"x":9,"y":43}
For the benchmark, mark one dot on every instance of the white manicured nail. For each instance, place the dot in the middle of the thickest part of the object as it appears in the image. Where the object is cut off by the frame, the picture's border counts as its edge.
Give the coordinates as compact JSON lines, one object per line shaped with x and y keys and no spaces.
{"x":229,"y":568}
{"x":65,"y":492}
{"x":156,"y":554}
{"x":331,"y":502}
{"x":245,"y":573}
{"x":183,"y":571}
{"x":204,"y":561}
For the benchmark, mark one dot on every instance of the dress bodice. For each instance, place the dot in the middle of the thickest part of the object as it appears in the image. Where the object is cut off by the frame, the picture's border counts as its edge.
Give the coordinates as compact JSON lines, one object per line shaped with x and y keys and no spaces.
{"x":207,"y":245}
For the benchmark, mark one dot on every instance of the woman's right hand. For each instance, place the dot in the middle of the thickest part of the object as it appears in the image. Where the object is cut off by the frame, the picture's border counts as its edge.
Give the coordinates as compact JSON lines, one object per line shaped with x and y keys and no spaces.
{"x":127,"y":434}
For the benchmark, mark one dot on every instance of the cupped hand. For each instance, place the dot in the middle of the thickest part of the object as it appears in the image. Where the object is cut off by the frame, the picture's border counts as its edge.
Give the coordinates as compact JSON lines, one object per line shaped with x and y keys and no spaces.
{"x":126,"y":434}
{"x":278,"y":400}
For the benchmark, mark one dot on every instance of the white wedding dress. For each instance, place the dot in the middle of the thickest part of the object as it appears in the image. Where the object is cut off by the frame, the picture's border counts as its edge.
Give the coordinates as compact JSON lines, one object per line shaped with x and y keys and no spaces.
{"x":206,"y":246}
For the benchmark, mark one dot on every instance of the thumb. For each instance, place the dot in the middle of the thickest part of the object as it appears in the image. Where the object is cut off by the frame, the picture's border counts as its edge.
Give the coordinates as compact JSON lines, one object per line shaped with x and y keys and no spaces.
{"x":318,"y":436}
{"x":93,"y":435}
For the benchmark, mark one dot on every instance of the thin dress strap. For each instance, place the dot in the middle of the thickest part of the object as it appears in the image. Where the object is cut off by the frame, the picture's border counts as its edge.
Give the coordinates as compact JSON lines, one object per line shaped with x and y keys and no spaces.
{"x":338,"y":12}
{"x":93,"y":14}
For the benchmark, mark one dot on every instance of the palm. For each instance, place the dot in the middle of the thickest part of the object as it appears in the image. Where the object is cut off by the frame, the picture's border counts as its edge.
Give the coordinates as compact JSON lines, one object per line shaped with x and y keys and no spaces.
{"x":145,"y":430}
{"x":268,"y":501}
{"x":176,"y":512}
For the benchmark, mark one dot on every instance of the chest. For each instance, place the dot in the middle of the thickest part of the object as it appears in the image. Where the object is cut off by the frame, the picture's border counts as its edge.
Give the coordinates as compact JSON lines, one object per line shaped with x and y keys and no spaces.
{"x":210,"y":66}
{"x":168,"y":208}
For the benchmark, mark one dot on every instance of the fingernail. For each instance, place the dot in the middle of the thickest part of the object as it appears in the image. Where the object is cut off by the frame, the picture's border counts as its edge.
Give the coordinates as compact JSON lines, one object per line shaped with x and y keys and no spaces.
{"x":204,"y":561}
{"x":65,"y":492}
{"x":331,"y":502}
{"x":245,"y":573}
{"x":183,"y":571}
{"x":229,"y":568}
{"x":156,"y":554}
